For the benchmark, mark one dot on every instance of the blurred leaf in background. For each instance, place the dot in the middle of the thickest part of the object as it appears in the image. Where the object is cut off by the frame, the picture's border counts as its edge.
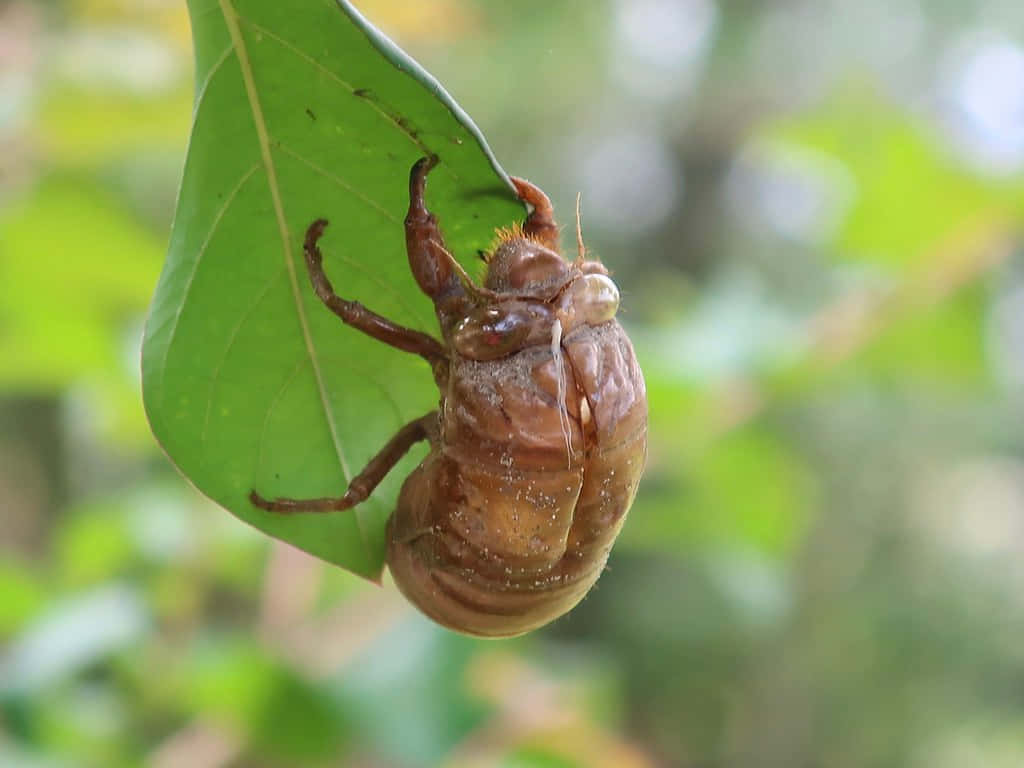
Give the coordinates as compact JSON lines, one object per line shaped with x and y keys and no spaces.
{"x":813,"y":211}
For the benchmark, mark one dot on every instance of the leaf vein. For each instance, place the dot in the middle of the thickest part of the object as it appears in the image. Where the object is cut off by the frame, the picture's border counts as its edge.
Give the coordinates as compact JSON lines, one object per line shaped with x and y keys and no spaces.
{"x":201,"y":89}
{"x":214,"y":225}
{"x":339,"y":181}
{"x":231,"y":19}
{"x":232,"y":338}
{"x":384,"y":285}
{"x":391,"y":119}
{"x":261,"y":443}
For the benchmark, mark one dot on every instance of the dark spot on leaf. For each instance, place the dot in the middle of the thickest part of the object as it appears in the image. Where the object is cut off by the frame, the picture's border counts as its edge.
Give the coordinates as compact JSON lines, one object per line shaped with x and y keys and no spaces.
{"x":403,"y":122}
{"x":498,"y":191}
{"x":310,"y":113}
{"x":407,"y":126}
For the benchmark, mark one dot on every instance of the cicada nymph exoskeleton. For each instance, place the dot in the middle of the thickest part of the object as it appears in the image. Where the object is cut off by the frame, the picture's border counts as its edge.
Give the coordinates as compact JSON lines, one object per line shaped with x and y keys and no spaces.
{"x":541,"y":434}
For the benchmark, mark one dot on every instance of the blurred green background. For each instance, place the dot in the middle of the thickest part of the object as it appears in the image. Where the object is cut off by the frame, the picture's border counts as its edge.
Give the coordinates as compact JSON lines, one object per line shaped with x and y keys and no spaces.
{"x":813,"y":209}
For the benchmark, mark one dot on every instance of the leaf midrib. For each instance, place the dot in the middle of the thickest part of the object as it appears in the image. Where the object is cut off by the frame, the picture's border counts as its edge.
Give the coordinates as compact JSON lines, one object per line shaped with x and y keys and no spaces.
{"x":263,"y":137}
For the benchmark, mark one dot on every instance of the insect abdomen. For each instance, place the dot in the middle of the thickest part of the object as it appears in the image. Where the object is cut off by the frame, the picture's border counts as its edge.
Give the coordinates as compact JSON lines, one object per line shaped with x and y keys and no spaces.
{"x":508,"y":522}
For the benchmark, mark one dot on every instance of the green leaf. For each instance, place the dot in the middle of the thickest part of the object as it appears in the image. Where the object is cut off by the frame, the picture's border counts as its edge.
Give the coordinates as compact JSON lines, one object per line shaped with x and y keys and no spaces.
{"x":941,"y":344}
{"x":93,"y":545}
{"x":88,"y":127}
{"x":24,"y":596}
{"x":909,"y":190}
{"x":304,"y":110}
{"x":418,"y":676}
{"x":748,"y":491}
{"x":537,"y":757}
{"x":73,"y":269}
{"x":282,"y":715}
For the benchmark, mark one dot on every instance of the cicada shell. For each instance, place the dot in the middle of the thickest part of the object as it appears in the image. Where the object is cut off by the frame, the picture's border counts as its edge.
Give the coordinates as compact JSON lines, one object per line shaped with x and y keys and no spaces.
{"x":540,"y":439}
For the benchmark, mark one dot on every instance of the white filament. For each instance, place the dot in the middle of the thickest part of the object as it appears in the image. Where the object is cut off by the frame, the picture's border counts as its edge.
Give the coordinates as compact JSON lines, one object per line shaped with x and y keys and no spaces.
{"x":581,"y":250}
{"x":563,"y":412}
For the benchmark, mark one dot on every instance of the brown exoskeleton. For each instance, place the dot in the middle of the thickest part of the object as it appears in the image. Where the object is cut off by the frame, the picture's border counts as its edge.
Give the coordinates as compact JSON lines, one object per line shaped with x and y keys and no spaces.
{"x":541,"y":437}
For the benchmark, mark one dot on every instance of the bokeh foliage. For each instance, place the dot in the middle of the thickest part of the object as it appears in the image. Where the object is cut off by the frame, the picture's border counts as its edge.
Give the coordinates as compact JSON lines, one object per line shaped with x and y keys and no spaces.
{"x":813,"y":211}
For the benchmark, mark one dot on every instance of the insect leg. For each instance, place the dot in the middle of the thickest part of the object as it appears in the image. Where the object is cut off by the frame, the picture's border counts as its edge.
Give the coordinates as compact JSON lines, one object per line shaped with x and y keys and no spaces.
{"x":429,"y":261}
{"x":358,"y":316}
{"x":540,"y":224}
{"x":362,"y":485}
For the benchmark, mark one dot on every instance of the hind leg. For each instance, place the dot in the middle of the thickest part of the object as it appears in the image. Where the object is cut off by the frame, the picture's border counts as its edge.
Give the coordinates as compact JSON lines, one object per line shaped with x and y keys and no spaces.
{"x":362,"y":485}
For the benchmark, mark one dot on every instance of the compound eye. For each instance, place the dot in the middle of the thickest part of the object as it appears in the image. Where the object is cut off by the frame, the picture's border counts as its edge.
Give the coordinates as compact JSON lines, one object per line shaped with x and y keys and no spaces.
{"x":597,"y":298}
{"x":489,"y":333}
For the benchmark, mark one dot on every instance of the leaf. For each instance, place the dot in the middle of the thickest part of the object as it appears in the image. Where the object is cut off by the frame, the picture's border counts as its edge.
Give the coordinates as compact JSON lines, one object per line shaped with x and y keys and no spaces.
{"x":304,"y":110}
{"x":88,"y":126}
{"x":910,"y":193}
{"x":537,"y":757}
{"x":281,"y":714}
{"x":93,"y":546}
{"x":73,"y":267}
{"x":73,"y":634}
{"x":24,"y":596}
{"x":944,"y":344}
{"x":748,"y":490}
{"x":415,"y":675}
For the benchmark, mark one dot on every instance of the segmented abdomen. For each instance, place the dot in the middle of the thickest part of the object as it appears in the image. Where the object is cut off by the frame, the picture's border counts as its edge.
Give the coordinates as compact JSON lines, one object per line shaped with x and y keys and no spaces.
{"x":508,"y":521}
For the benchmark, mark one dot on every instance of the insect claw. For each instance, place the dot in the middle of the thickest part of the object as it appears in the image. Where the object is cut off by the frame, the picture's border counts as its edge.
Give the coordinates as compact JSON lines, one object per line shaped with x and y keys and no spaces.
{"x":540,"y":224}
{"x":417,"y":188}
{"x":424,"y":165}
{"x":316,"y":229}
{"x":313,"y":234}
